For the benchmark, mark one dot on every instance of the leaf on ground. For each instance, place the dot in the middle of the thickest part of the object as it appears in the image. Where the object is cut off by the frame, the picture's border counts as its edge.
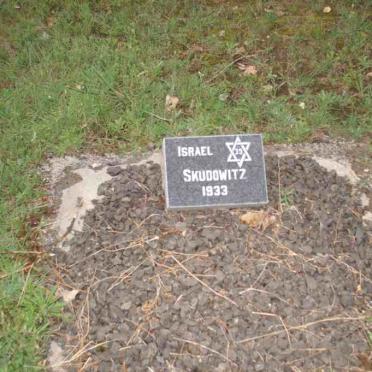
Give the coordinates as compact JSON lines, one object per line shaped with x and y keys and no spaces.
{"x":79,"y":86}
{"x":196,"y":48}
{"x":50,"y":21}
{"x":240,"y":51}
{"x":369,"y":74}
{"x":171,"y":103}
{"x":258,"y":219}
{"x":366,"y":361}
{"x":327,"y":9}
{"x":55,"y":357}
{"x":66,"y":295}
{"x":268,"y":88}
{"x":247,"y":69}
{"x":223,"y":96}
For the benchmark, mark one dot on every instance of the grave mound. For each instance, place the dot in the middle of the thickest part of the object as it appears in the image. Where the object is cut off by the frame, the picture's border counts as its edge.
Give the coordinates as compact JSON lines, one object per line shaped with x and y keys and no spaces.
{"x":202,"y":291}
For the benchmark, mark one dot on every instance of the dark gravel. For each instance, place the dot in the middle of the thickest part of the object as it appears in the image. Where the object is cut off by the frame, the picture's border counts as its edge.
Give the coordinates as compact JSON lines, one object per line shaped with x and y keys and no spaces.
{"x":137,"y":267}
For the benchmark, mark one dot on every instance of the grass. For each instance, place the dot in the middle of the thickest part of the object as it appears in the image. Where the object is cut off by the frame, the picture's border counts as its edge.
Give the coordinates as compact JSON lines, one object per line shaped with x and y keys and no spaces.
{"x":94,"y":75}
{"x":286,"y":197}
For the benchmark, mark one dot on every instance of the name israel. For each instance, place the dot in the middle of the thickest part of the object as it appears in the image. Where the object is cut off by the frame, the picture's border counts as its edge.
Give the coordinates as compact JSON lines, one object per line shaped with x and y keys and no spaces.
{"x":209,"y":175}
{"x":183,"y":151}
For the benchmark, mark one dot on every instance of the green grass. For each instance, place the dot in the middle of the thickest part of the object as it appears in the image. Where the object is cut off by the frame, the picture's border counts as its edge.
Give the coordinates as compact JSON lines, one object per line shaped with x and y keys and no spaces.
{"x":286,"y":197}
{"x":94,"y":75}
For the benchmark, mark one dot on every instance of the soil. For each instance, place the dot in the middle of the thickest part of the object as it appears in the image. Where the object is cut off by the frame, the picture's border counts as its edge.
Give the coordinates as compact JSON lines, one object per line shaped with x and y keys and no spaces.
{"x":200,"y":291}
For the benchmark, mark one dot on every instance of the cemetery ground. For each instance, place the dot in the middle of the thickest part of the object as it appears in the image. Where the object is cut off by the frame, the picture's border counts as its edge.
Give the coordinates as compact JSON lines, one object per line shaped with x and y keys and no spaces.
{"x":93,"y":77}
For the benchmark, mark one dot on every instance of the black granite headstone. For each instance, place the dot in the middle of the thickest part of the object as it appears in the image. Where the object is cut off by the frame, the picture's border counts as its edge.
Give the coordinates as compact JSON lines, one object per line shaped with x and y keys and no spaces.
{"x":214,"y":171}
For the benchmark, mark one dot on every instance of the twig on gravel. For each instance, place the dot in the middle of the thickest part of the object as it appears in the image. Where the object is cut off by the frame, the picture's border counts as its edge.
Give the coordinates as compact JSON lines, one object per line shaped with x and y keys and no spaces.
{"x":135,"y":334}
{"x":291,"y":253}
{"x":281,"y":320}
{"x":132,"y":244}
{"x":315,"y":352}
{"x":265,"y":292}
{"x":334,"y":298}
{"x":312,"y":349}
{"x":173,"y":270}
{"x":149,"y":306}
{"x":144,"y":220}
{"x":212,"y":227}
{"x":189,"y":354}
{"x":138,"y":326}
{"x":68,"y":230}
{"x":279,"y":189}
{"x":126,"y":347}
{"x":281,"y":245}
{"x":351,"y":268}
{"x":121,"y":277}
{"x":293,"y":207}
{"x":79,"y":353}
{"x":145,"y":189}
{"x":223,"y":328}
{"x":185,"y":254}
{"x":86,"y":305}
{"x":178,"y":298}
{"x":206,"y":348}
{"x":171,"y":365}
{"x":286,"y":331}
{"x":84,"y":365}
{"x":136,"y":243}
{"x":259,"y":276}
{"x":301,"y":326}
{"x":203,"y":283}
{"x":81,"y":335}
{"x":93,"y":229}
{"x":60,"y":280}
{"x":168,"y":268}
{"x":273,"y":259}
{"x":125,"y":275}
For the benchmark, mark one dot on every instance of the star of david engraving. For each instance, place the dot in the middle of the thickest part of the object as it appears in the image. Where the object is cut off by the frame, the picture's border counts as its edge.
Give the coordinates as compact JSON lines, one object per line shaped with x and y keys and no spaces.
{"x":238,"y":151}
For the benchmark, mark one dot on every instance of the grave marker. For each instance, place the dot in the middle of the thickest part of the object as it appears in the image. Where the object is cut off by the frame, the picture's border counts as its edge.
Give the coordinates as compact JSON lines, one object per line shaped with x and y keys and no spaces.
{"x":214,"y":171}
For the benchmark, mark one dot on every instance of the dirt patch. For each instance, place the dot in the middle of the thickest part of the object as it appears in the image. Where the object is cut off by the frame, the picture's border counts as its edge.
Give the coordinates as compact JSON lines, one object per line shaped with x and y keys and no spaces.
{"x":74,"y":184}
{"x":200,"y":291}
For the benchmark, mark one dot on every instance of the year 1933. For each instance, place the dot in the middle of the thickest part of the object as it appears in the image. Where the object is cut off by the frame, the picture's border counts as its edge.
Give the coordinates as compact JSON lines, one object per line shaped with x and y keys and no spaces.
{"x":216,"y":190}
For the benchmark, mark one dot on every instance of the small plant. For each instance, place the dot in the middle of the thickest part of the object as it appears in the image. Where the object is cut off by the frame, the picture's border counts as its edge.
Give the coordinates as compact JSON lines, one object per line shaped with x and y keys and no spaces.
{"x":287,"y":197}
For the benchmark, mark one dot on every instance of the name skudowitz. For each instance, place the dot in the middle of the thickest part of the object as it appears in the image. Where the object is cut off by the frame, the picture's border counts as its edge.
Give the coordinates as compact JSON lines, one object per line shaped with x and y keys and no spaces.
{"x":213,"y":175}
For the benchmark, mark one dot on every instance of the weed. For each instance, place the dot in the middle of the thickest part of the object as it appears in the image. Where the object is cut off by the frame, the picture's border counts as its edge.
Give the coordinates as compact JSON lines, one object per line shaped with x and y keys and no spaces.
{"x":287,"y":197}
